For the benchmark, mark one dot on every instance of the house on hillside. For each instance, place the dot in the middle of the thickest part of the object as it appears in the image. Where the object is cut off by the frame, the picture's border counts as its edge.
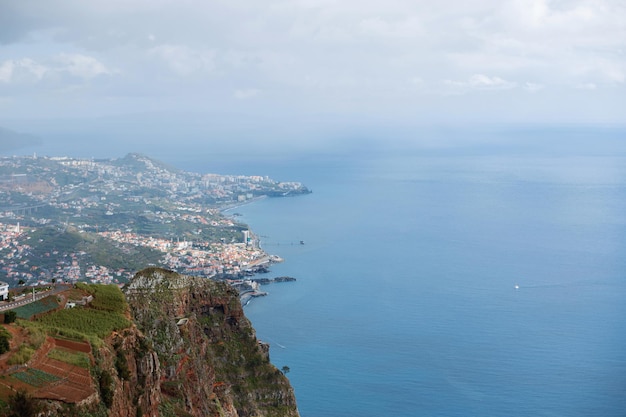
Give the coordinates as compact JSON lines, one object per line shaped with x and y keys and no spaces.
{"x":82,"y":302}
{"x":4,"y":291}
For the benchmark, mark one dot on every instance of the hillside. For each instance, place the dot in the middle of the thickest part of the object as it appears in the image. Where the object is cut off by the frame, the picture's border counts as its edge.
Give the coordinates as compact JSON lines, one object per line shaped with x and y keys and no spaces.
{"x":86,"y":249}
{"x":102,"y":220}
{"x":169,"y":345}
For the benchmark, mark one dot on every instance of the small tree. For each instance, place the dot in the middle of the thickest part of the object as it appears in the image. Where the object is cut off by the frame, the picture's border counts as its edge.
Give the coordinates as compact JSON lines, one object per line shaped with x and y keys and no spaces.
{"x":4,"y":342}
{"x":22,"y":405}
{"x":105,"y":381}
{"x":9,"y":316}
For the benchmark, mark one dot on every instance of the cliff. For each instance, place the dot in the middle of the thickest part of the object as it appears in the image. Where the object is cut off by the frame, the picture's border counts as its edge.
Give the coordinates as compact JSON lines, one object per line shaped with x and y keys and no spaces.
{"x":186,"y":349}
{"x":204,"y":358}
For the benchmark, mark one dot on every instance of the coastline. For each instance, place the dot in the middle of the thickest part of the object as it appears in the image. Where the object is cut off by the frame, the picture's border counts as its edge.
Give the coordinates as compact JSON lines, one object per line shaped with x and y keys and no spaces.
{"x":247,"y":296}
{"x":248,"y":288}
{"x":238,"y":204}
{"x":252,"y":287}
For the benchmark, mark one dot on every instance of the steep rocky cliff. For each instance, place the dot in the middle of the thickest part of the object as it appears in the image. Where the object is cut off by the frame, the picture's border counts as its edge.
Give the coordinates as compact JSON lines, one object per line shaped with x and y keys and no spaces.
{"x":187,"y":350}
{"x":193,"y":352}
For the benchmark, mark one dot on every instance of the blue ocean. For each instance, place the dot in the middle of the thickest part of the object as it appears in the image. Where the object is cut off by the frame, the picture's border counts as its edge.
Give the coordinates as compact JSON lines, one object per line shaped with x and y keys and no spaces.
{"x":450,"y":285}
{"x":446,"y":280}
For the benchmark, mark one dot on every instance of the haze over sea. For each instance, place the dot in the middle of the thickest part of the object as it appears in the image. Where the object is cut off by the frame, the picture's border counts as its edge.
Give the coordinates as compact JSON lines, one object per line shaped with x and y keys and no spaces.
{"x":406,"y":301}
{"x":406,"y":304}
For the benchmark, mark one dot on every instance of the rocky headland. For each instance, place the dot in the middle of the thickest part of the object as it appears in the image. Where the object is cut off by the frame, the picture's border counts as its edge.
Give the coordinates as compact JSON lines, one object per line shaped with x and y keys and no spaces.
{"x":185,"y":349}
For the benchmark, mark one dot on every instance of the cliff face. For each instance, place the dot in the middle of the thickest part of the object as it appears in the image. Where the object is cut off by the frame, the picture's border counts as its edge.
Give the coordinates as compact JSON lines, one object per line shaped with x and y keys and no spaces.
{"x":182,"y":347}
{"x":192,"y":353}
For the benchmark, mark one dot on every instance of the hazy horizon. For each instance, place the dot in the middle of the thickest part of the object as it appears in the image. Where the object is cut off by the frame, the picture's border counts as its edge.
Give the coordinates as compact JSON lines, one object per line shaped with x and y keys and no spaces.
{"x":300,"y":73}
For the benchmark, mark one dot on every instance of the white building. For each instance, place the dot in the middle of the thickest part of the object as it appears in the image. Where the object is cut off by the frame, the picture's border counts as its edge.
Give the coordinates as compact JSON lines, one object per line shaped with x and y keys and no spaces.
{"x":4,"y":291}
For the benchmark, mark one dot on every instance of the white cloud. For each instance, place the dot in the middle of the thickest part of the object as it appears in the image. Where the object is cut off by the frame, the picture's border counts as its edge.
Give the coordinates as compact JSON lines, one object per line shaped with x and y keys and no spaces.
{"x":533,"y":87}
{"x":556,"y":42}
{"x":416,"y":82}
{"x":483,"y":81}
{"x":184,"y":60}
{"x":30,"y":71}
{"x":21,"y":70}
{"x":403,"y":28}
{"x":318,"y":55}
{"x":81,"y":66}
{"x":245,"y":94}
{"x":35,"y":68}
{"x":6,"y":71}
{"x":586,"y":86}
{"x":480,"y":82}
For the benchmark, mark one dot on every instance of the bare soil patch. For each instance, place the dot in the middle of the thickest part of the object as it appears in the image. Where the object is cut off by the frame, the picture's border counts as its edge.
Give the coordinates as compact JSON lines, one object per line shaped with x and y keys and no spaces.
{"x":73,"y":345}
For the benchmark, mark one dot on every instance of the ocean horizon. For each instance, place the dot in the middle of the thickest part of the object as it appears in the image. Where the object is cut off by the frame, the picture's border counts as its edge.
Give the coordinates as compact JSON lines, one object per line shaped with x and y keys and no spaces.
{"x":450,"y":286}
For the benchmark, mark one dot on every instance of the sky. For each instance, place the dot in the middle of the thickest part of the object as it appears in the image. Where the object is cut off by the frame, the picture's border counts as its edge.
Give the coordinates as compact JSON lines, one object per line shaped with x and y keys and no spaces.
{"x":331,"y":65}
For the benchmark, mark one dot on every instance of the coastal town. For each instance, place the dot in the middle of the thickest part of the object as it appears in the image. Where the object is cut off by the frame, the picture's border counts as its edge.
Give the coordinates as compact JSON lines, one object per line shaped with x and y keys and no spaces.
{"x":66,"y":220}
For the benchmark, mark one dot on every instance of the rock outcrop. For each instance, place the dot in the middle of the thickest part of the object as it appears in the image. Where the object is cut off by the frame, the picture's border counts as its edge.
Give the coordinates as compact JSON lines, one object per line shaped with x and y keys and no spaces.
{"x":191,"y":352}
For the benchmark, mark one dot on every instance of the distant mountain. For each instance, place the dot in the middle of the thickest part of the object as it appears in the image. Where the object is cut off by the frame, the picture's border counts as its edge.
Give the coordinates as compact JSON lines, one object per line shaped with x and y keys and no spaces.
{"x":142,"y":163}
{"x":10,"y":140}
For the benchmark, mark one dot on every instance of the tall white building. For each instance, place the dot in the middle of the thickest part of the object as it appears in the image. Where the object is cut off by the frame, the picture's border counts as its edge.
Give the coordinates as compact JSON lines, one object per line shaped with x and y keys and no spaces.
{"x":4,"y":291}
{"x":246,"y":237}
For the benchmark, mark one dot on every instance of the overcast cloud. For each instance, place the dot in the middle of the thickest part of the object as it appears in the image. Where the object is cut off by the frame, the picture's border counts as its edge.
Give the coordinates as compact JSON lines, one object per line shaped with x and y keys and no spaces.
{"x":397,"y":61}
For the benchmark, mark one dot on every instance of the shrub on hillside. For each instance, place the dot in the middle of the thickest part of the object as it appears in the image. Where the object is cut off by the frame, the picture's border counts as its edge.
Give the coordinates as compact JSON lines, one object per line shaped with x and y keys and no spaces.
{"x":9,"y":316}
{"x":4,"y":340}
{"x":22,"y":405}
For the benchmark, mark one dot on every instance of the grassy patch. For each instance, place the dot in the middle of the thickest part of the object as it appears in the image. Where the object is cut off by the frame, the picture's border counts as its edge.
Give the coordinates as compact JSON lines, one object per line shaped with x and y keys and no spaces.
{"x":73,"y":358}
{"x":74,"y":294}
{"x":85,"y":321}
{"x":23,"y":355}
{"x":35,"y":337}
{"x":106,"y":297}
{"x":105,"y":314}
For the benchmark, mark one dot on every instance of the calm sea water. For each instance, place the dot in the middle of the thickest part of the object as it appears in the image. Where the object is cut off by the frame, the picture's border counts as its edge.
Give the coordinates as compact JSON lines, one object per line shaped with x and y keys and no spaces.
{"x":406,"y":305}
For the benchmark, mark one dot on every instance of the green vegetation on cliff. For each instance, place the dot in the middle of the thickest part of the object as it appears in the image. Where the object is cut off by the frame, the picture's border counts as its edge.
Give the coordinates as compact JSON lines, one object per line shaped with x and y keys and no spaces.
{"x":5,"y":337}
{"x":73,"y":358}
{"x":83,"y":323}
{"x":188,"y":351}
{"x":94,"y":322}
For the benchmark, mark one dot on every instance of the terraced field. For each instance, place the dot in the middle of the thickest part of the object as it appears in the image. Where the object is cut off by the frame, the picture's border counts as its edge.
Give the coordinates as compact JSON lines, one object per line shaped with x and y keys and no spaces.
{"x":57,"y":371}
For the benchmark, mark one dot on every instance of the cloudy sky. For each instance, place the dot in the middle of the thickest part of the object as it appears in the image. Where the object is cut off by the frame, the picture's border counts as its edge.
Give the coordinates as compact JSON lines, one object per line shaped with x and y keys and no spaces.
{"x":334,"y":62}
